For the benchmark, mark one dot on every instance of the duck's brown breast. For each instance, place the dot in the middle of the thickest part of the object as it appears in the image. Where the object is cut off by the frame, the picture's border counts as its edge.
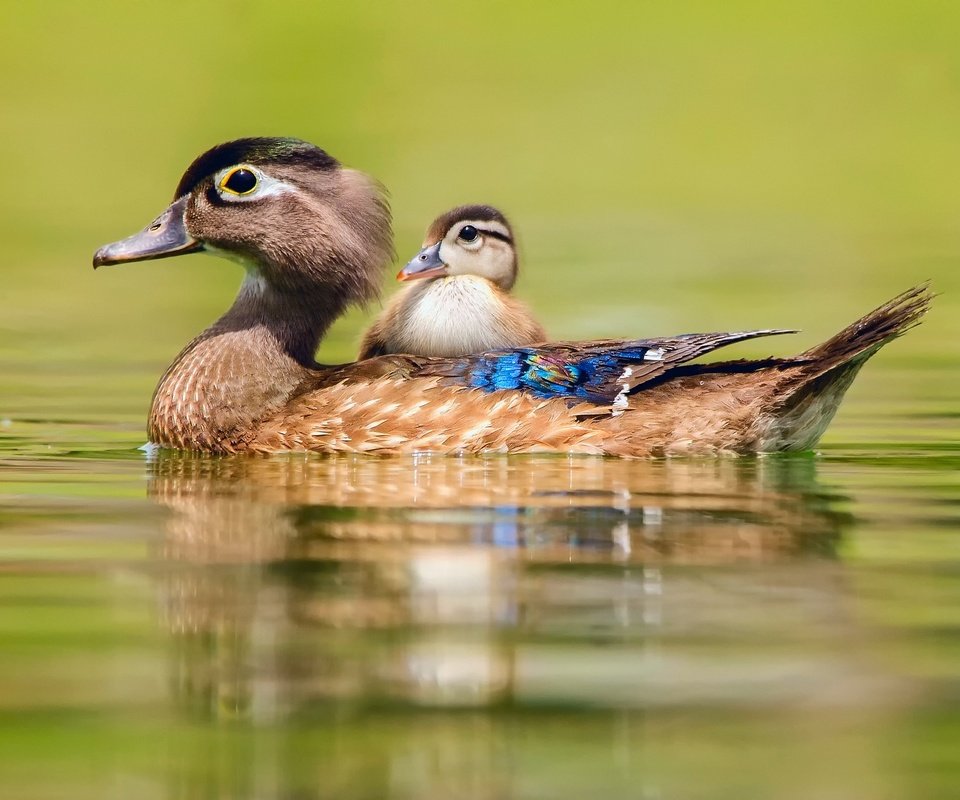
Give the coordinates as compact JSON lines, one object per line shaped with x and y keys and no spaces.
{"x":219,"y":390}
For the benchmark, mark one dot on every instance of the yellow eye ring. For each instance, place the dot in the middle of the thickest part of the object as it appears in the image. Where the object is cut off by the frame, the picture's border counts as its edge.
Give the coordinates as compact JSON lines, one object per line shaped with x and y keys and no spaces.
{"x":240,"y":181}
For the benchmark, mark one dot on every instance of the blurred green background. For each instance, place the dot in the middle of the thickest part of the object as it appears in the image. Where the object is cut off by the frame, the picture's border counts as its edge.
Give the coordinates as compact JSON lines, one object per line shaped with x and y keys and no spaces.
{"x":670,"y":167}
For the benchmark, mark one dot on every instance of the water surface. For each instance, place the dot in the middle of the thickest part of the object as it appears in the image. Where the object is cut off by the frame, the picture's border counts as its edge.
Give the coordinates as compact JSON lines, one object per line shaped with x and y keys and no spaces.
{"x":180,"y":626}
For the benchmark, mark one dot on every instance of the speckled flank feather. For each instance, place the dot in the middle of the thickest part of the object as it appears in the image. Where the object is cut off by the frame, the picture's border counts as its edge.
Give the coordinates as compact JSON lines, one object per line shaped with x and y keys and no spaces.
{"x":402,"y":416}
{"x":390,"y":416}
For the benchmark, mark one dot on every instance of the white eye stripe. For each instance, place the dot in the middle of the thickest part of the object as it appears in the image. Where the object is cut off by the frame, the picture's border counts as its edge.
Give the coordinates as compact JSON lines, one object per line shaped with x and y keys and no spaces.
{"x":266,"y":185}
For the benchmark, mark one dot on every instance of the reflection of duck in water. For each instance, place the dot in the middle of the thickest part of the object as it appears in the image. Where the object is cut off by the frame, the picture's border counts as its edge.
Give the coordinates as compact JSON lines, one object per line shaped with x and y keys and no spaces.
{"x":314,"y":238}
{"x":295,"y":503}
{"x":290,"y":580}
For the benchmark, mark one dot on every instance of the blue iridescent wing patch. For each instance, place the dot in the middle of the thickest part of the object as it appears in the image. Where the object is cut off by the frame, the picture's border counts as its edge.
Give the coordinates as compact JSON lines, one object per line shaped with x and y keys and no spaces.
{"x":553,"y":374}
{"x":596,"y":372}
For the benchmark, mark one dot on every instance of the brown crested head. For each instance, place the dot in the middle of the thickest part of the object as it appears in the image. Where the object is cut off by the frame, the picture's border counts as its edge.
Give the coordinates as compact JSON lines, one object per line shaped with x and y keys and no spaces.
{"x":287,"y":210}
{"x":468,"y":240}
{"x":292,"y":213}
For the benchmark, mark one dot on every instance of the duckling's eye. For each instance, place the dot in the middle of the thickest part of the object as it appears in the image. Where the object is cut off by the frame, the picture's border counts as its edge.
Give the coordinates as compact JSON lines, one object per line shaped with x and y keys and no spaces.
{"x":240,"y":181}
{"x":468,"y":233}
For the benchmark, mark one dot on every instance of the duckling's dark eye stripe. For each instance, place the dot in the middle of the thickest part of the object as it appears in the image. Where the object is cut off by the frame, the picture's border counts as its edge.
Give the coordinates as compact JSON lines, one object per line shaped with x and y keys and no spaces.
{"x":496,"y":235}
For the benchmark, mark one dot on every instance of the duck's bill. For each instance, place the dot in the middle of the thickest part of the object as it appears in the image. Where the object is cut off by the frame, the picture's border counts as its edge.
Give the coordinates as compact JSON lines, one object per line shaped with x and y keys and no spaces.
{"x":425,"y":264}
{"x":164,"y":237}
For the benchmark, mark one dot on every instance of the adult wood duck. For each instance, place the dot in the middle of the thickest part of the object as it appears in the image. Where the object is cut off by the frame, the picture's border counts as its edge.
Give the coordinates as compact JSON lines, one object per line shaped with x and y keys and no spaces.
{"x":314,"y":237}
{"x":459,"y":301}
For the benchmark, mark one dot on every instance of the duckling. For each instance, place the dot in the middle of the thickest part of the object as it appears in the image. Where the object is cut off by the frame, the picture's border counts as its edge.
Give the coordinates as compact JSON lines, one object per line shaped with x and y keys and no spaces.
{"x":459,"y":301}
{"x":314,"y":236}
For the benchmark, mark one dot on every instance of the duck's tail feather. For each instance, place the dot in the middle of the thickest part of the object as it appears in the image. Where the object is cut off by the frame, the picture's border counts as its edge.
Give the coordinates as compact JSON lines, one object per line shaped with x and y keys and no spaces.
{"x":868,"y":334}
{"x":810,"y":399}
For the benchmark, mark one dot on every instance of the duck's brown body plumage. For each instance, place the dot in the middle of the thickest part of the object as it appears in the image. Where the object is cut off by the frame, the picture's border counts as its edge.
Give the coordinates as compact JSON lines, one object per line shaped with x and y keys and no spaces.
{"x":402,"y":404}
{"x":249,"y":383}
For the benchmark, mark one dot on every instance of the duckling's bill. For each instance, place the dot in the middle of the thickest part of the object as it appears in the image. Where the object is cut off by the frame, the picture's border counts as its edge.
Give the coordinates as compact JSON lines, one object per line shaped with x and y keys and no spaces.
{"x":425,"y":264}
{"x":166,"y":236}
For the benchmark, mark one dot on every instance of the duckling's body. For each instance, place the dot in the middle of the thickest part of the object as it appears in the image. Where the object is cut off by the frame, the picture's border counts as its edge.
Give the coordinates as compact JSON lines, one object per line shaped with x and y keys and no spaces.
{"x":458,"y":302}
{"x":451,"y":316}
{"x":315,"y":236}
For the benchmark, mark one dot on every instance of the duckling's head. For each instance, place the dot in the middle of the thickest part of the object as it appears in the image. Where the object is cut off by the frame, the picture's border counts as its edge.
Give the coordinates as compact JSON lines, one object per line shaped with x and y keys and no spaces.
{"x":289,"y":212}
{"x":467,"y":240}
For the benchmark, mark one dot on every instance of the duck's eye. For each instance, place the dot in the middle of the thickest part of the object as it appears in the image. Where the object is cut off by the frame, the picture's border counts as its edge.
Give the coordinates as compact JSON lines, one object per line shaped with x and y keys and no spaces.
{"x":240,"y":181}
{"x":468,"y":234}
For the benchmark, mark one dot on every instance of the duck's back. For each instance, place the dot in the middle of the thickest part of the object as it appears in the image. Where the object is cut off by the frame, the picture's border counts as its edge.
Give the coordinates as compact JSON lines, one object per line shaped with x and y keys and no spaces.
{"x":452,"y":316}
{"x":633,"y":398}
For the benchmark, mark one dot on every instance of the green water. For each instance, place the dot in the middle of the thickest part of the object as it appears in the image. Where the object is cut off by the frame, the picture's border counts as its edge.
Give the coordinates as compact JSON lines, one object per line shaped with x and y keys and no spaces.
{"x":535,"y":627}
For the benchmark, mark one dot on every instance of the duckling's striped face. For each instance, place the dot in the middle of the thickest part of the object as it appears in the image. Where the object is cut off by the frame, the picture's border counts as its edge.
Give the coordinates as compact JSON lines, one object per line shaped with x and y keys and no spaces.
{"x":284,"y":208}
{"x":469,"y":240}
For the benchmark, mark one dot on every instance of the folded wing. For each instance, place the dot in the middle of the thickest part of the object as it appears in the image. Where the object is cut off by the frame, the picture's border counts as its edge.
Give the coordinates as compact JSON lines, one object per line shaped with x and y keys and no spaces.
{"x":596,"y":372}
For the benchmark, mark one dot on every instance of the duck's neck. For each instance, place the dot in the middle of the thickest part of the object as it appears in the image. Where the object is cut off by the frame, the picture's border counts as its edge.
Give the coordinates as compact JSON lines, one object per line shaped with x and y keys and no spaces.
{"x":242,"y":368}
{"x":292,"y":321}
